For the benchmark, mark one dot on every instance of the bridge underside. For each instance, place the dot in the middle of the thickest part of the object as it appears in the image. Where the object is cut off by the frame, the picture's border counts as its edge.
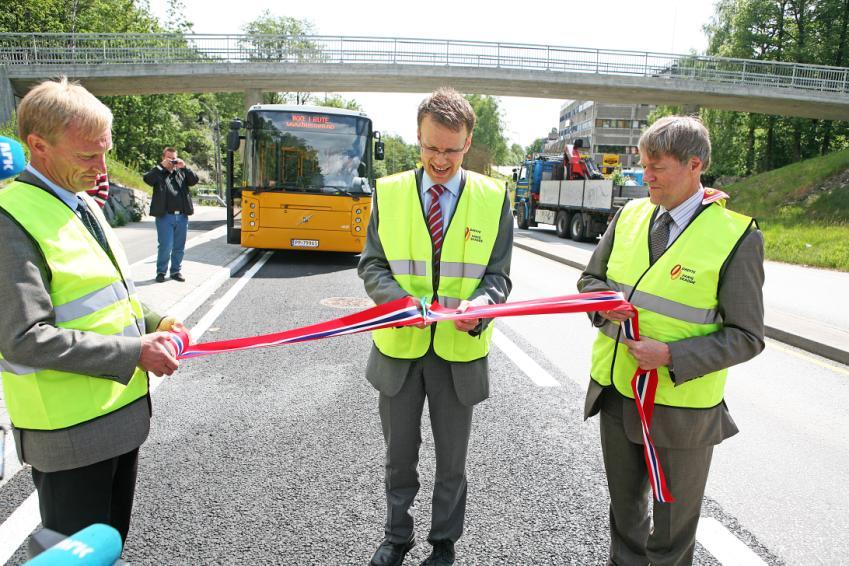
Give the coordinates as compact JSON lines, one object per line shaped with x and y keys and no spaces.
{"x":175,"y":78}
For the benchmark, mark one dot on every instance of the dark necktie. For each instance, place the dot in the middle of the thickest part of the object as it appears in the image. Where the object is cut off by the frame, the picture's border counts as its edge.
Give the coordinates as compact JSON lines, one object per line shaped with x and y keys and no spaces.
{"x":434,"y":224}
{"x":660,"y":235}
{"x":91,"y":224}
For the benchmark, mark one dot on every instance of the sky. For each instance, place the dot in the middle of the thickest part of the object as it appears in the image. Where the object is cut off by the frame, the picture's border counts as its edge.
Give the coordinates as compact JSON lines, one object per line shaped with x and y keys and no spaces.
{"x":659,"y":26}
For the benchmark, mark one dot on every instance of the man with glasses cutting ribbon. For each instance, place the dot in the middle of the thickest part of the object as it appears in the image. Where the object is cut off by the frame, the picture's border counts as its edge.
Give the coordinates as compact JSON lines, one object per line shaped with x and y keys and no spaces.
{"x":437,"y":232}
{"x":694,"y":271}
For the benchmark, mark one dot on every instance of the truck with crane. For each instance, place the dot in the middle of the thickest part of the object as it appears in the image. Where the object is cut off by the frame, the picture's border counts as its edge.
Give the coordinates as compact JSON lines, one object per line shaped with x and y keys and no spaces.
{"x":569,"y":192}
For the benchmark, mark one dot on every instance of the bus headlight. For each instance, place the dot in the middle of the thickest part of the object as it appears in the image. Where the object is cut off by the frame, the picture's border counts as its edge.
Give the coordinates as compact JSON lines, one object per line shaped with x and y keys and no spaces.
{"x":358,"y":228}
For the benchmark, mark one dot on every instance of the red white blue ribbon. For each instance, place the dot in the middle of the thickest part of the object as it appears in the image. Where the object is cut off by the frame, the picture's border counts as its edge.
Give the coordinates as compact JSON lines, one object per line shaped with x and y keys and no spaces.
{"x":644,"y":387}
{"x":408,"y":311}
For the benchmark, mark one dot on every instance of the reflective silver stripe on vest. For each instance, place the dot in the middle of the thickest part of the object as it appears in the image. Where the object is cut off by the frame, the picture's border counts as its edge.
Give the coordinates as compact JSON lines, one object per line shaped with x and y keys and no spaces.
{"x":131,"y":331}
{"x":92,"y":302}
{"x":667,"y":307}
{"x":459,"y":269}
{"x":17,"y":369}
{"x":408,"y":267}
{"x":450,"y":302}
{"x":610,"y":330}
{"x":131,"y":286}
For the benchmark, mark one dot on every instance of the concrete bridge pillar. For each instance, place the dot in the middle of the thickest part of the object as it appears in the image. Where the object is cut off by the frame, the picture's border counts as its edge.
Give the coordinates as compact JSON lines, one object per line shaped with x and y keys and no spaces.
{"x":7,"y":97}
{"x":252,"y":96}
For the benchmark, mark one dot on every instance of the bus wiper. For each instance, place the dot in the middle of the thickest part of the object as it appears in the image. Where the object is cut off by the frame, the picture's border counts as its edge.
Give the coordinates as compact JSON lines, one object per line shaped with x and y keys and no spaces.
{"x":339,"y":191}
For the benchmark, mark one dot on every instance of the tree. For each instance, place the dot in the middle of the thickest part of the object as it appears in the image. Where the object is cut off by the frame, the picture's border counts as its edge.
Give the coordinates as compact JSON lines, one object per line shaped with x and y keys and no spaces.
{"x":334,"y":100}
{"x":488,"y":143}
{"x":805,"y":31}
{"x":399,"y":156}
{"x":281,"y":39}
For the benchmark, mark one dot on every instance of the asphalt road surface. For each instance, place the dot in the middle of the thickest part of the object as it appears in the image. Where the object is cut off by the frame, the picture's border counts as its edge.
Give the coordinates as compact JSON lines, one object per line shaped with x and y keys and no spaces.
{"x":275,"y":456}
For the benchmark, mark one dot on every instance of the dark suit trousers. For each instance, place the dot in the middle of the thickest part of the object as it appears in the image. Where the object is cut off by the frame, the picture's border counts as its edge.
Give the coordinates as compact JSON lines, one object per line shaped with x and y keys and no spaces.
{"x":71,"y":500}
{"x":672,"y":538}
{"x":451,"y":421}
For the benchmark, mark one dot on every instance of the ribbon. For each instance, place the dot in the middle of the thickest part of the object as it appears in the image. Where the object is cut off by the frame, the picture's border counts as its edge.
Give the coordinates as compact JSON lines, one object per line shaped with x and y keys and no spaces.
{"x":409,"y":311}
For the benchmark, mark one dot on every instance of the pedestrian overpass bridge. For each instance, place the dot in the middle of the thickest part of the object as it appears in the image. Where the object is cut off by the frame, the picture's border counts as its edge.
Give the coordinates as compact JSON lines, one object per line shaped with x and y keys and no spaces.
{"x":122,"y":64}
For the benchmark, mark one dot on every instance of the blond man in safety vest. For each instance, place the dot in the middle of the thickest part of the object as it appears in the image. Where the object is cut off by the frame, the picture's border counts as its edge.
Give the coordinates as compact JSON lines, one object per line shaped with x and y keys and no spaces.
{"x":75,"y":342}
{"x":440,"y":233}
{"x":694,"y":270}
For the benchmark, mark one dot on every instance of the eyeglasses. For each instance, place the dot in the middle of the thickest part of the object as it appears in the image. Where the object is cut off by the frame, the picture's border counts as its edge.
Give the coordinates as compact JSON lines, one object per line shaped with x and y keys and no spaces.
{"x":447,"y":153}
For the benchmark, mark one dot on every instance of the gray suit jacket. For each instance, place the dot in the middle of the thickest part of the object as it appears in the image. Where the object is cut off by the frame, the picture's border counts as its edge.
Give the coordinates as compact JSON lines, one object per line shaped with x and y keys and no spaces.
{"x":471,"y":379}
{"x":741,"y":338}
{"x":29,"y":336}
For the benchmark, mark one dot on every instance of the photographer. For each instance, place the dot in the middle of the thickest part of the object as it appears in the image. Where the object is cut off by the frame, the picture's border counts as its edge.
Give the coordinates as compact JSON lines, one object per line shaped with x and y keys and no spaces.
{"x":171,"y":205}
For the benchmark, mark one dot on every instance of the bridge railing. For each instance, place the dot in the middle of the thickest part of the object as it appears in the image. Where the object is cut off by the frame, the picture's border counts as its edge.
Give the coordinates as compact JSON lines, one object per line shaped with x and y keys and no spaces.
{"x":136,"y":49}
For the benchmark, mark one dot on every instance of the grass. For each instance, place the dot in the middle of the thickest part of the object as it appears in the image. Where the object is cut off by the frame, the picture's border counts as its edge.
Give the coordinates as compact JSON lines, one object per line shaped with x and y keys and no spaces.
{"x":801,"y":223}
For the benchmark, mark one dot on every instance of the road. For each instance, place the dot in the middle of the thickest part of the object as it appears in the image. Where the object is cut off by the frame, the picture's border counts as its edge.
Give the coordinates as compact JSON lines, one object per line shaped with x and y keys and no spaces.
{"x":275,"y":455}
{"x":139,"y":238}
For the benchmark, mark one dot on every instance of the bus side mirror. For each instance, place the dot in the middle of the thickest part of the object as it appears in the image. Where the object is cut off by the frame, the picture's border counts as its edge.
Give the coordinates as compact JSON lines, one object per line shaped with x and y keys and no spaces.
{"x":233,"y":137}
{"x":378,"y":147}
{"x":515,"y":175}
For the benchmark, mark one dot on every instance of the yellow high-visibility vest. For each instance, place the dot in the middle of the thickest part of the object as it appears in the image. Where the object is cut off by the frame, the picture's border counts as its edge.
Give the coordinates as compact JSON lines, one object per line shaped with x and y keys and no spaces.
{"x":466,"y":250}
{"x":676,"y":297}
{"x":88,"y":294}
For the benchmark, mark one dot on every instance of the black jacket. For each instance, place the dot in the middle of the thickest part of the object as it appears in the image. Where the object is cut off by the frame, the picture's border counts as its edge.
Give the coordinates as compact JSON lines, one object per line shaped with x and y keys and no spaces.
{"x":181,"y":178}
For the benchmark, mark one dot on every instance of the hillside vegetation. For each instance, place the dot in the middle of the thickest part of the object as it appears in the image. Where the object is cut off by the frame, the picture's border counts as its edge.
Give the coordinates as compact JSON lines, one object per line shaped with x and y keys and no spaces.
{"x":802,"y":209}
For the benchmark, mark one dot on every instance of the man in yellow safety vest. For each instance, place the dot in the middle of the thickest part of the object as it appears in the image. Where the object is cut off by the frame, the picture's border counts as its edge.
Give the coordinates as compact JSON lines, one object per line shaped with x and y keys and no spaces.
{"x":75,"y":341}
{"x":440,"y":233}
{"x":694,"y":271}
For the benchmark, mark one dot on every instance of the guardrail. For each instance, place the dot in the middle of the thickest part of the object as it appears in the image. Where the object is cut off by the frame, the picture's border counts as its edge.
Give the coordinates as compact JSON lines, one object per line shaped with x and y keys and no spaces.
{"x":134,"y":49}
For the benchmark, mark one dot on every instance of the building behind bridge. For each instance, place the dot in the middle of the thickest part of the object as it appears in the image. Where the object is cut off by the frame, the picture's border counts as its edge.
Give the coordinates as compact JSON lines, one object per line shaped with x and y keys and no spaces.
{"x":607,"y":129}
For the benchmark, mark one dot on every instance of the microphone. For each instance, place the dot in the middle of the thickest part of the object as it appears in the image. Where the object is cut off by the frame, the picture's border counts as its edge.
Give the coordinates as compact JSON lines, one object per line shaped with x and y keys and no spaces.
{"x":12,"y":160}
{"x":95,"y":545}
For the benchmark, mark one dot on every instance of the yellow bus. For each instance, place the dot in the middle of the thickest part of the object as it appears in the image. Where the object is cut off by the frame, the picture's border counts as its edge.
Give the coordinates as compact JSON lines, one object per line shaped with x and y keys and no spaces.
{"x":307,"y":178}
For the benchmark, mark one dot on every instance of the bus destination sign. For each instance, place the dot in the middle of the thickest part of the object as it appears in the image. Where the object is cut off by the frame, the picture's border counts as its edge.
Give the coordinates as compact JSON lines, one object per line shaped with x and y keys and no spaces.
{"x":311,"y":121}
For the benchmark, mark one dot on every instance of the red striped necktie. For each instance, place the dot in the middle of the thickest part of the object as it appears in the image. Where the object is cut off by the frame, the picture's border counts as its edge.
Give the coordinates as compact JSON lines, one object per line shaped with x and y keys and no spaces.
{"x":434,"y":224}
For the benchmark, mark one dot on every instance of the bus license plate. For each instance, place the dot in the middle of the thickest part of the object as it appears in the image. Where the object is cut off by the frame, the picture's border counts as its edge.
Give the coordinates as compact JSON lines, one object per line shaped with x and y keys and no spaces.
{"x":304,"y":243}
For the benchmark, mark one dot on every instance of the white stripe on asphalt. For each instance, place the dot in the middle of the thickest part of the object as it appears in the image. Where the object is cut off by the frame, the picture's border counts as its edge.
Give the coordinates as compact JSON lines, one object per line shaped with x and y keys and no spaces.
{"x":524,"y":362}
{"x":23,"y":521}
{"x":724,"y":546}
{"x":15,"y":529}
{"x":217,"y":308}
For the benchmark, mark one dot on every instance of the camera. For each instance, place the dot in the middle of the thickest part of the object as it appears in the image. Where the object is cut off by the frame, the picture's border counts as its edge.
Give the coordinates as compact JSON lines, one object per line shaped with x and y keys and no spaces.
{"x":175,"y":161}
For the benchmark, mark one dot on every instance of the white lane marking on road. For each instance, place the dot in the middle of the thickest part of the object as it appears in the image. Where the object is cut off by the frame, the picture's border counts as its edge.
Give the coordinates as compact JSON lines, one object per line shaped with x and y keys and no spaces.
{"x":15,"y":529}
{"x":18,"y":526}
{"x":217,"y":308}
{"x":724,"y":546}
{"x":532,"y":369}
{"x":197,"y":240}
{"x":833,"y":366}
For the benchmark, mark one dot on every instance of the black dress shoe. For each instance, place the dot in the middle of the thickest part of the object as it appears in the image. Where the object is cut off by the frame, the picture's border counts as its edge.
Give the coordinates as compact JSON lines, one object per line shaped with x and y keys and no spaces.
{"x":160,"y":278}
{"x":442,"y":554}
{"x":390,"y":553}
{"x":178,"y":277}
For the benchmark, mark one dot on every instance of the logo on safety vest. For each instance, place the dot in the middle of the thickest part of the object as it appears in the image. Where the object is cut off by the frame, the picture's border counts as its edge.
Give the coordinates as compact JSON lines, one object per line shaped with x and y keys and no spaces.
{"x":685,"y":274}
{"x":474,"y":235}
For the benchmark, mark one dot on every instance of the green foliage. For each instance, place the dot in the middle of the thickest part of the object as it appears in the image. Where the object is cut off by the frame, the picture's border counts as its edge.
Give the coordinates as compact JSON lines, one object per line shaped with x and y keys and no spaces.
{"x":78,"y":16}
{"x":803,"y":210}
{"x":399,"y":156}
{"x":775,"y":30}
{"x":488,"y":137}
{"x":334,"y":100}
{"x":535,"y":147}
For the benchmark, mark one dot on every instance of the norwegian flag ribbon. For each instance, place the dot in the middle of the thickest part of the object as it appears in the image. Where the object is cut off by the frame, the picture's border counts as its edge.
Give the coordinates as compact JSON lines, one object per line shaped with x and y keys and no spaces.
{"x":409,"y":311}
{"x":644,"y":387}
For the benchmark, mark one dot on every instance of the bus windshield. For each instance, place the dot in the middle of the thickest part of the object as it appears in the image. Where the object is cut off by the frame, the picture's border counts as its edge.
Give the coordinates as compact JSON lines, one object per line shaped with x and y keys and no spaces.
{"x":308,"y":152}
